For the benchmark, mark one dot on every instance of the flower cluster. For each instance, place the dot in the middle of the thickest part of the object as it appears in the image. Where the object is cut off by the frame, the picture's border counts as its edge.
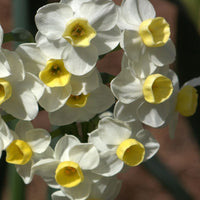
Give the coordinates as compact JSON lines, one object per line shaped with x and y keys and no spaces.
{"x":58,"y":74}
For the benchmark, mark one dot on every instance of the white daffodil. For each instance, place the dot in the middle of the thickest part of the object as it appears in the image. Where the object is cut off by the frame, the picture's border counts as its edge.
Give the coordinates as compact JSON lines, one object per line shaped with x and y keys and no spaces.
{"x":83,"y":29}
{"x":28,"y":146}
{"x":121,"y":143}
{"x":6,"y":136}
{"x":183,"y":102}
{"x":71,"y":168}
{"x":4,"y":66}
{"x":59,"y":84}
{"x":144,"y":98}
{"x":83,"y":107}
{"x":20,"y":91}
{"x":106,"y":188}
{"x":144,"y":34}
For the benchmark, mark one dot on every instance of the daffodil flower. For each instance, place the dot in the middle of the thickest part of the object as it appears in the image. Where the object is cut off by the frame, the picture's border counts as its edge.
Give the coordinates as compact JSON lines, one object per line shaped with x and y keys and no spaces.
{"x":20,"y":91}
{"x":183,"y":102}
{"x":145,"y":34}
{"x":106,"y":188}
{"x":81,"y":29}
{"x":71,"y":168}
{"x":28,"y":146}
{"x":144,"y":97}
{"x":6,"y":136}
{"x":82,"y":107}
{"x":57,"y":81}
{"x":120,"y":144}
{"x":4,"y":66}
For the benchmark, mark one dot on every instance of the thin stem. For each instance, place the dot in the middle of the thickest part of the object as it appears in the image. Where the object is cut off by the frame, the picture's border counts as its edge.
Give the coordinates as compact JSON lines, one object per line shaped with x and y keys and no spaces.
{"x":16,"y":184}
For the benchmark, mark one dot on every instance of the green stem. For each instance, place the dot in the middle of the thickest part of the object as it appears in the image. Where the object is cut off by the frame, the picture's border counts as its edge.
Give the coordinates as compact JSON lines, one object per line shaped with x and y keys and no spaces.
{"x":16,"y":184}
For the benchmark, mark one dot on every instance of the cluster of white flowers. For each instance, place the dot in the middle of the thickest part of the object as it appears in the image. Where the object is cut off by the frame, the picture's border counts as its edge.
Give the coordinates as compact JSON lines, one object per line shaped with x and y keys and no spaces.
{"x":58,"y":72}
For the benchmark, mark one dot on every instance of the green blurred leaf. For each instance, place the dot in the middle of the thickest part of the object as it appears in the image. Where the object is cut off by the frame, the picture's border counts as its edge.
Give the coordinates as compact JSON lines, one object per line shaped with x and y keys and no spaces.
{"x":193,"y":8}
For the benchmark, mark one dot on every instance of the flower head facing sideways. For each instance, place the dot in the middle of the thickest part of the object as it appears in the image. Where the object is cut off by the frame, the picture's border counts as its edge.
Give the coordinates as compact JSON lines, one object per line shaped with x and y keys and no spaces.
{"x":121,"y":143}
{"x":144,"y":34}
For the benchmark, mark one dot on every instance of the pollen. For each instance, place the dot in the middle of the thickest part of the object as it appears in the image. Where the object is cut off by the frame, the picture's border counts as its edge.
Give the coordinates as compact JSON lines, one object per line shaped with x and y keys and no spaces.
{"x":79,"y":32}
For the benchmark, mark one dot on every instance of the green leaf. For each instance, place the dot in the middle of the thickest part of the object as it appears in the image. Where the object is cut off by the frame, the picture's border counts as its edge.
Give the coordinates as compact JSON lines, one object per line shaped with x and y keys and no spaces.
{"x":18,"y":35}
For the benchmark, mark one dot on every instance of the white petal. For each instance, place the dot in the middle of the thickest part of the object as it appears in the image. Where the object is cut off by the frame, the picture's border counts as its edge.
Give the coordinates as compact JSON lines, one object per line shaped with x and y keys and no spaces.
{"x":113,"y":131}
{"x":39,"y":139}
{"x":16,"y":65}
{"x":143,"y":67}
{"x":80,"y":192}
{"x":98,"y":10}
{"x":153,"y":115}
{"x":51,"y":19}
{"x":4,"y":66}
{"x":51,"y":48}
{"x":100,"y":100}
{"x":96,"y":141}
{"x":56,"y":97}
{"x":105,"y":41}
{"x":85,"y":84}
{"x":65,"y":115}
{"x":163,"y":55}
{"x":126,"y":87}
{"x":80,"y":61}
{"x":150,"y":144}
{"x":22,"y":104}
{"x":34,"y":84}
{"x":130,"y":12}
{"x":74,"y":4}
{"x":59,"y":195}
{"x":85,"y":155}
{"x":5,"y":135}
{"x":106,"y":188}
{"x":145,"y":9}
{"x":46,"y":169}
{"x":63,"y":145}
{"x":126,"y":112}
{"x":193,"y":82}
{"x":22,"y":127}
{"x":33,"y":58}
{"x":25,"y":172}
{"x":109,"y":165}
{"x":132,"y":45}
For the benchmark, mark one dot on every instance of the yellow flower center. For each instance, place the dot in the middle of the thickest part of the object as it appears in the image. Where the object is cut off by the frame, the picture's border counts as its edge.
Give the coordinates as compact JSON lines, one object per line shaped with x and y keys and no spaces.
{"x":157,"y":88}
{"x":69,"y":174}
{"x":55,"y":74}
{"x":78,"y":32}
{"x":5,"y":90}
{"x":18,"y":152}
{"x":154,"y":32}
{"x":77,"y":101}
{"x":187,"y":101}
{"x":131,"y":152}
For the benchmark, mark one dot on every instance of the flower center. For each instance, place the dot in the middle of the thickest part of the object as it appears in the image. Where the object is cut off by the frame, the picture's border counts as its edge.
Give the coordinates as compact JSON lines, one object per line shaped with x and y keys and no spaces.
{"x":78,"y":101}
{"x":5,"y":90}
{"x":154,"y":32}
{"x":69,"y":174}
{"x":157,"y":88}
{"x":131,"y":152}
{"x":18,"y":152}
{"x":55,"y":74}
{"x":187,"y":101}
{"x":78,"y":32}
